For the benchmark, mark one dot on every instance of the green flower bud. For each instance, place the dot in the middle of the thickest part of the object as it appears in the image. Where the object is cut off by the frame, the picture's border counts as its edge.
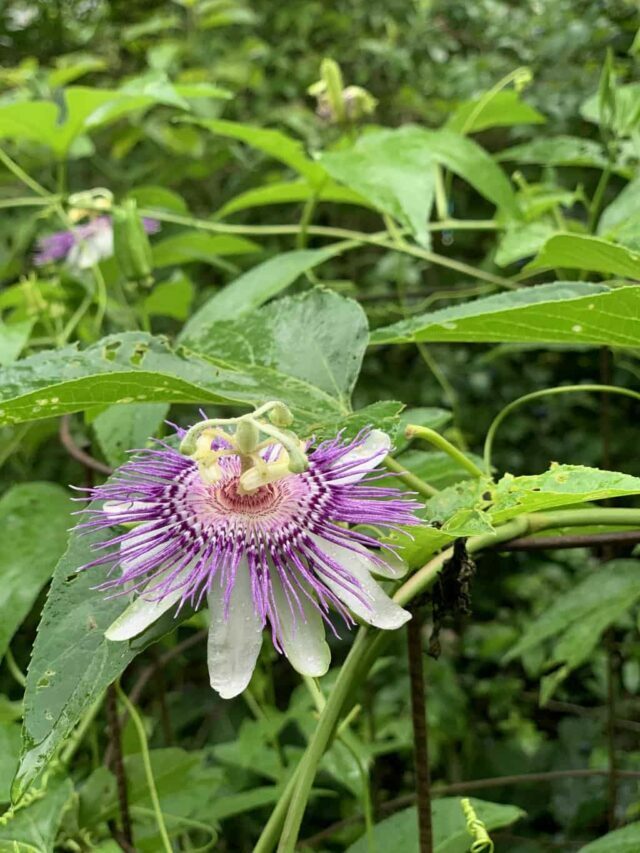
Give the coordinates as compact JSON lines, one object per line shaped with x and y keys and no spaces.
{"x":280,"y":416}
{"x":131,"y":244}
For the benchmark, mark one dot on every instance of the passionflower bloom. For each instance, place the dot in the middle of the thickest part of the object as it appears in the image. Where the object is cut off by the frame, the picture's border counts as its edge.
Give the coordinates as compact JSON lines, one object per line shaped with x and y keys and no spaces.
{"x":281,"y":553}
{"x":84,"y":245}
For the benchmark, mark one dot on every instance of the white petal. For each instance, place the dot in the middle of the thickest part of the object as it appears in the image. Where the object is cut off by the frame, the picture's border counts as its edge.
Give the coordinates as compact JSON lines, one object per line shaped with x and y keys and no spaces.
{"x":301,"y":633}
{"x":235,"y":642}
{"x":141,"y":613}
{"x":369,"y":454}
{"x":116,"y":508}
{"x":377,"y":608}
{"x":391,"y":566}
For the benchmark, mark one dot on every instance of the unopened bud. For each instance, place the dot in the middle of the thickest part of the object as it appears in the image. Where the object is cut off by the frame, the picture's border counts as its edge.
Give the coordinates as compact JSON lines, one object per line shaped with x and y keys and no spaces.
{"x":247,"y":436}
{"x":281,"y":416}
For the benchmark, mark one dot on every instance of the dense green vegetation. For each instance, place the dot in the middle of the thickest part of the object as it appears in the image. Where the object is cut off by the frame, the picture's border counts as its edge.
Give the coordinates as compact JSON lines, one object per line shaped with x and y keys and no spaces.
{"x":380,"y":214}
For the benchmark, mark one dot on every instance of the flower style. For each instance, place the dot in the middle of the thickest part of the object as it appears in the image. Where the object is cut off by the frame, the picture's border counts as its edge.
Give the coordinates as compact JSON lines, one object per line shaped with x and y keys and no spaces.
{"x":280,"y":553}
{"x":85,"y":245}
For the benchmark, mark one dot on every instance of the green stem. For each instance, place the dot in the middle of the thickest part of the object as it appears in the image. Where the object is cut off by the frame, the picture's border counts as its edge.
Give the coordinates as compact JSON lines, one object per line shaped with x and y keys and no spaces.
{"x":146,"y":760}
{"x":439,"y":441}
{"x":23,"y":176}
{"x":369,"y":644}
{"x":596,"y":201}
{"x":545,"y":392}
{"x":410,"y":479}
{"x":14,"y":669}
{"x":28,"y":201}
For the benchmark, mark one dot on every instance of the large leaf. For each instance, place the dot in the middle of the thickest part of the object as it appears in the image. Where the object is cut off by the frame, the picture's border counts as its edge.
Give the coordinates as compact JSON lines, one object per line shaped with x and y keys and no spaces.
{"x":319,"y":338}
{"x":394,"y":171}
{"x":561,"y":485}
{"x":625,"y":840}
{"x":579,"y":252}
{"x":72,"y":662}
{"x":252,"y":289}
{"x":620,"y":221}
{"x":34,"y":519}
{"x":563,"y":312}
{"x":135,"y":367}
{"x":400,"y":832}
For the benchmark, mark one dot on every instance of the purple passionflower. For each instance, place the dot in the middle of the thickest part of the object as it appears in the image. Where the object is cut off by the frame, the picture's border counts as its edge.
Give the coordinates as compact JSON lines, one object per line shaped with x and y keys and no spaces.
{"x":84,"y":245}
{"x":283,"y":554}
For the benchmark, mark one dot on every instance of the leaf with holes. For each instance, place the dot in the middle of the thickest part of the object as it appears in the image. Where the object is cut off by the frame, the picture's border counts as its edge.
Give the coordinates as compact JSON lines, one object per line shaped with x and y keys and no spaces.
{"x":562,"y":313}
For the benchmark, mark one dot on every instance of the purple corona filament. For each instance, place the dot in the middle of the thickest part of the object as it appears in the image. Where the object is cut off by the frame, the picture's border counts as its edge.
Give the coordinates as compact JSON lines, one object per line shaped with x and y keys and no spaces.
{"x":84,"y":245}
{"x":282,"y":555}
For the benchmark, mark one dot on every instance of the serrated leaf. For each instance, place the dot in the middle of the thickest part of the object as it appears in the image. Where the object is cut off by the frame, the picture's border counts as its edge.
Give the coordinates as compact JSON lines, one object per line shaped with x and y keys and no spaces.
{"x":253,"y":289}
{"x":136,"y":367}
{"x":318,"y":337}
{"x":561,"y":485}
{"x":400,"y":832}
{"x":72,"y":663}
{"x":34,"y":518}
{"x":563,"y":312}
{"x":576,"y":251}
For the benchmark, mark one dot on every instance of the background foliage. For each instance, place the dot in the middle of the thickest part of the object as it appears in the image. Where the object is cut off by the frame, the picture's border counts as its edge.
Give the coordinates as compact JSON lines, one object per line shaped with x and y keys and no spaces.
{"x":500,"y":165}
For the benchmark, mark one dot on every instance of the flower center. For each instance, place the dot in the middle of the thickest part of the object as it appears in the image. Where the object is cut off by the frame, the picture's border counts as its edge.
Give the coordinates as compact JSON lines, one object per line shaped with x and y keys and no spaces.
{"x":228,"y":497}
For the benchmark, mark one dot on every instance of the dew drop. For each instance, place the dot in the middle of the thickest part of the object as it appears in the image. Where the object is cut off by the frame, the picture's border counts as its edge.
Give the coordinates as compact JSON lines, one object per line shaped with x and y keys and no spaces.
{"x":577,"y":328}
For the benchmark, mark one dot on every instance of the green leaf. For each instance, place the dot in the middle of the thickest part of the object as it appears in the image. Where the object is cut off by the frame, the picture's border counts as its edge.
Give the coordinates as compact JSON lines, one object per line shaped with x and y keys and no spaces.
{"x":625,"y":113}
{"x":561,"y":485}
{"x":288,"y":192}
{"x":136,"y":367}
{"x":563,"y":312}
{"x":9,"y":756}
{"x":400,"y":832}
{"x":272,"y":142}
{"x":171,"y":298}
{"x":620,"y":221}
{"x":580,"y":252}
{"x":128,"y":427}
{"x":394,"y":171}
{"x":318,"y":337}
{"x":72,"y":663}
{"x":27,"y":560}
{"x":34,"y":828}
{"x":522,"y":241}
{"x":578,"y":619}
{"x":625,"y":840}
{"x":384,"y":415}
{"x":159,"y":198}
{"x":197,"y":246}
{"x":186,"y":784}
{"x":501,"y":109}
{"x":558,"y":151}
{"x":13,"y":339}
{"x":253,"y":289}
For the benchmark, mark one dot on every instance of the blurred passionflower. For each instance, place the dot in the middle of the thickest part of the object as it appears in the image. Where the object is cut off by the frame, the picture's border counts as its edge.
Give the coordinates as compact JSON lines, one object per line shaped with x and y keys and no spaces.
{"x":84,"y":245}
{"x":264,"y":545}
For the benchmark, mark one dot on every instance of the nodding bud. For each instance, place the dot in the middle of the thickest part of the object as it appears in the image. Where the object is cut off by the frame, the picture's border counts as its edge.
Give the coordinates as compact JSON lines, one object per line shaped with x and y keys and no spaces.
{"x":280,"y":416}
{"x":298,"y":462}
{"x":247,"y":436}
